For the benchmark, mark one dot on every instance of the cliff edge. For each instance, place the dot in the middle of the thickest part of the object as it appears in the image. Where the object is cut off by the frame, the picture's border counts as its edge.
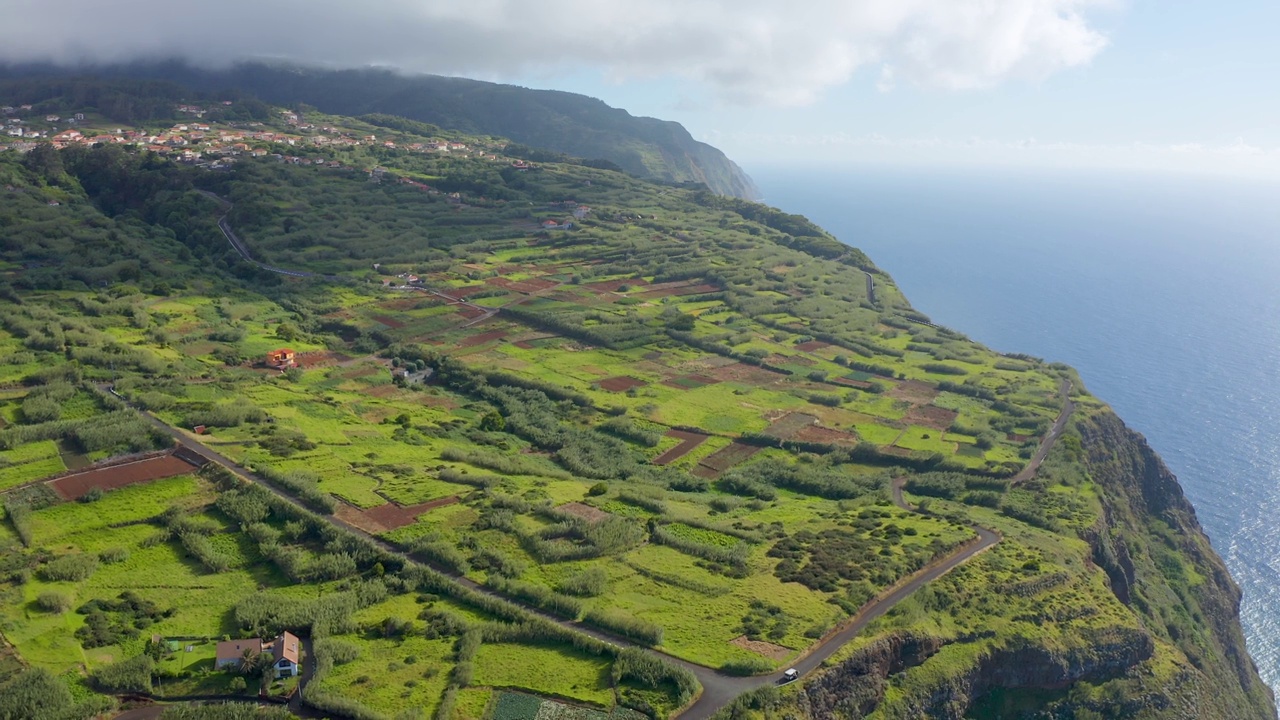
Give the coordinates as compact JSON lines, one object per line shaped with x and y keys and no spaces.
{"x":1137,"y":615}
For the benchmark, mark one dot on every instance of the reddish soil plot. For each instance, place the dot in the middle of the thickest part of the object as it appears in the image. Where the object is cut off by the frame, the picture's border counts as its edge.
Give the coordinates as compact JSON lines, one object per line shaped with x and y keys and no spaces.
{"x":531,"y":285}
{"x":392,"y":516}
{"x":673,"y":292}
{"x":690,"y":382}
{"x":746,"y":374}
{"x":812,"y":345}
{"x":789,"y":425}
{"x":389,"y":321}
{"x":851,"y":383}
{"x":688,"y":441}
{"x":77,"y":485}
{"x":586,"y":512}
{"x":789,"y":360}
{"x":1015,"y":437}
{"x":463,"y":292}
{"x":482,"y":338}
{"x":470,"y":313}
{"x":319,"y":358}
{"x":621,"y":383}
{"x":613,"y":285}
{"x":930,"y":416}
{"x":913,"y":391}
{"x":727,"y":457}
{"x":830,"y":436}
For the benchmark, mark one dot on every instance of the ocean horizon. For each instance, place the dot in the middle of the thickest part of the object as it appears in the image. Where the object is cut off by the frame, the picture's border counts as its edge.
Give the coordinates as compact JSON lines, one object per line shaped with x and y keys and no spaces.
{"x":1161,"y":290}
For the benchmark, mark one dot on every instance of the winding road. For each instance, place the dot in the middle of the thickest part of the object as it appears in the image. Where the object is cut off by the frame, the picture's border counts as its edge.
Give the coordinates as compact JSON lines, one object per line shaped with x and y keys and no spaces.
{"x":718,"y":689}
{"x":1060,"y":424}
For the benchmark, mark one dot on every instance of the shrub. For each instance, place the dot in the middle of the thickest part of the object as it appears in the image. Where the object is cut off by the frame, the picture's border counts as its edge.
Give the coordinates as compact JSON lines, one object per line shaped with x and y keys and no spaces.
{"x":538,"y":596}
{"x":94,"y":495}
{"x":53,"y":602}
{"x":649,"y":670}
{"x":340,"y":652}
{"x":70,"y":568}
{"x":591,"y":582}
{"x":132,"y":675}
{"x":746,"y":666}
{"x":628,"y":626}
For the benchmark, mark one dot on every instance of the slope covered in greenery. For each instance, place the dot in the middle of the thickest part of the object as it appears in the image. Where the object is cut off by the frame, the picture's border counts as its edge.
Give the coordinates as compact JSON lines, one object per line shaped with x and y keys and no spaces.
{"x":549,"y":120}
{"x":674,"y":417}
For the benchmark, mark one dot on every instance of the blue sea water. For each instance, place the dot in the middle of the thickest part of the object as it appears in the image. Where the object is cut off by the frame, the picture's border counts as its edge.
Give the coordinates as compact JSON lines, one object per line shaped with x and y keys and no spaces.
{"x":1163,"y":292}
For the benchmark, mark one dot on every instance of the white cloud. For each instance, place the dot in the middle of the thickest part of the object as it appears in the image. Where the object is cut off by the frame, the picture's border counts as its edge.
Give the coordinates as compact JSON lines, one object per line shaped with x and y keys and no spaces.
{"x":748,"y":51}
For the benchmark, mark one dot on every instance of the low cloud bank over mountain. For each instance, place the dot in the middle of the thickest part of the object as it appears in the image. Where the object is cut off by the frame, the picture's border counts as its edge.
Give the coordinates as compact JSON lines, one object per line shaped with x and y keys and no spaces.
{"x":743,"y":51}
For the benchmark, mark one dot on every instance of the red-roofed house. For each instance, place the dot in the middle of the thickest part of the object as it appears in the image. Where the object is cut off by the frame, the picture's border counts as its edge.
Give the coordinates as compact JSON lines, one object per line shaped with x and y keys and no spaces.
{"x":281,"y":359}
{"x":230,"y":652}
{"x":287,"y":652}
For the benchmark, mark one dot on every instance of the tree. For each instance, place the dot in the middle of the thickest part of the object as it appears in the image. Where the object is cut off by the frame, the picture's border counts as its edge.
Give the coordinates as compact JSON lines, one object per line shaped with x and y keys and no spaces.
{"x":287,"y":332}
{"x":44,"y":161}
{"x":493,"y":422}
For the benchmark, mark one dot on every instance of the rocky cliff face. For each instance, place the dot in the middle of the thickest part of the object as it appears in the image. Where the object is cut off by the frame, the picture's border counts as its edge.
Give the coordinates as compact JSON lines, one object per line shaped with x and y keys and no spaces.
{"x":1161,"y":565}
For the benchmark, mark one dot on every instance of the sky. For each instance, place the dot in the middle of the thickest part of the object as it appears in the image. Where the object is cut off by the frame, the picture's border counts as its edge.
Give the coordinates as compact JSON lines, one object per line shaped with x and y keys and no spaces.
{"x":1171,"y":85}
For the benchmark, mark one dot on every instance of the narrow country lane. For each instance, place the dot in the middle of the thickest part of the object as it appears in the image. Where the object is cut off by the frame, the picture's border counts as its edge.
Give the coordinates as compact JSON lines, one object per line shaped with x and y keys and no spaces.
{"x":718,"y":689}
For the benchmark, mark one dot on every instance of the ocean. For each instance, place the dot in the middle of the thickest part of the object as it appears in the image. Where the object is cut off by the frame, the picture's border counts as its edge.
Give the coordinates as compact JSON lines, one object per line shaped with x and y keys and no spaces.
{"x":1162,"y":291}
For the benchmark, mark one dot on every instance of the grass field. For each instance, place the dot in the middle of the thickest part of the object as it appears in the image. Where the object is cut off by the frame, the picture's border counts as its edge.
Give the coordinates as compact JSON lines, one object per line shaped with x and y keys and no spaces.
{"x":558,"y":671}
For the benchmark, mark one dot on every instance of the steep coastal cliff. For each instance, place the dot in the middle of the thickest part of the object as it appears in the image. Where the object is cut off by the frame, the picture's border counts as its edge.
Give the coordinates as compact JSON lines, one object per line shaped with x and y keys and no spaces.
{"x":1179,"y":653}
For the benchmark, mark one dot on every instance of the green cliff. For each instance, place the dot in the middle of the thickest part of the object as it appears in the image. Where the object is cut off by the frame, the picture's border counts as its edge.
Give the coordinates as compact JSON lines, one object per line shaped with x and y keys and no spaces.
{"x":505,"y":439}
{"x":561,"y":122}
{"x":1185,"y":656}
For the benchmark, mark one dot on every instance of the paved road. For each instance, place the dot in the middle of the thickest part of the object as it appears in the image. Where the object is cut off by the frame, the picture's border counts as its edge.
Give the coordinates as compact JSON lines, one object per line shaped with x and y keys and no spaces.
{"x":1068,"y":407}
{"x":238,"y":245}
{"x":718,"y":689}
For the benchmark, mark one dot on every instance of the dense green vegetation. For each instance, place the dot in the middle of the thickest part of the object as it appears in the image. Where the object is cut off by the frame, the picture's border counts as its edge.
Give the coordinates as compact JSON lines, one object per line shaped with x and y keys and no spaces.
{"x":678,"y":421}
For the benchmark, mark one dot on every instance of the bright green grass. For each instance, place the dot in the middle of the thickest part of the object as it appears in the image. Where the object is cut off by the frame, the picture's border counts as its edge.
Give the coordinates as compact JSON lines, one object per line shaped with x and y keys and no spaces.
{"x":31,"y":452}
{"x":548,"y":670}
{"x":471,"y":703}
{"x":77,"y":523}
{"x":925,"y":440}
{"x":392,"y":674}
{"x":15,"y":475}
{"x":877,"y":433}
{"x":699,"y":625}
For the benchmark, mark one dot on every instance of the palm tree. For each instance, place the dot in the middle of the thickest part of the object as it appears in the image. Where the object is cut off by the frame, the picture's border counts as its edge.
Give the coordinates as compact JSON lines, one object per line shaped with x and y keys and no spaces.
{"x":249,"y":661}
{"x":256,"y":664}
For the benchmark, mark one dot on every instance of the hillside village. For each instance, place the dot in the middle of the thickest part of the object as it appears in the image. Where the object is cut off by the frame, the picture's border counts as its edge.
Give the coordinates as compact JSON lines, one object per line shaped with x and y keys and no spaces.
{"x":287,"y":137}
{"x":214,"y":144}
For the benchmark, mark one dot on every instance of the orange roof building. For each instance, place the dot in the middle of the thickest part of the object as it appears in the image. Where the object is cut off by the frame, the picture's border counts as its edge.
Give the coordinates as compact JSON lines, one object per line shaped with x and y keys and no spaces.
{"x":281,"y":359}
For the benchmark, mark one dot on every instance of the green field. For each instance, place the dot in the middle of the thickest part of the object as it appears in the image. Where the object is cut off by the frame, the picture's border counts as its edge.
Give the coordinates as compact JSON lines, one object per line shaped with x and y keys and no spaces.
{"x":529,"y":435}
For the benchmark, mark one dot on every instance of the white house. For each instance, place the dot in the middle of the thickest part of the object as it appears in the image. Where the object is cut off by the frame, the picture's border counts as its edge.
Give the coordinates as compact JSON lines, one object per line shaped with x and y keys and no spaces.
{"x":286,"y":650}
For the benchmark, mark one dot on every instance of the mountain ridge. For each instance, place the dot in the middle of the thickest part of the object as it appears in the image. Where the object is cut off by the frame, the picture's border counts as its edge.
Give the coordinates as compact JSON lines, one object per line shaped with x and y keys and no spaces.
{"x":577,"y":323}
{"x":570,"y":123}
